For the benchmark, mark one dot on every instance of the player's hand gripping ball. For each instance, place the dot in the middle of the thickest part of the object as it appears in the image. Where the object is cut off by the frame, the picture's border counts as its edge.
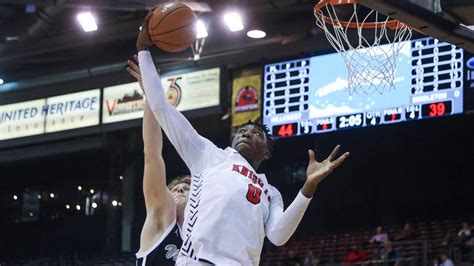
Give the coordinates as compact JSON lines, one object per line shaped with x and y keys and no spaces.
{"x":172,"y":27}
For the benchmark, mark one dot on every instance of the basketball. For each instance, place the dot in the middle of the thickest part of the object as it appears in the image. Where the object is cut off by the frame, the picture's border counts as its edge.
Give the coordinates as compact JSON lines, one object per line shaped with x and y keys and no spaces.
{"x":172,"y":27}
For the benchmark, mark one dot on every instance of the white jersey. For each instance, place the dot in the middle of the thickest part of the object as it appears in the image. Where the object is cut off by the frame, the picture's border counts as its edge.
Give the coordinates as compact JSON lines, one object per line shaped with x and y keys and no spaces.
{"x":230,"y":208}
{"x":227,"y":209}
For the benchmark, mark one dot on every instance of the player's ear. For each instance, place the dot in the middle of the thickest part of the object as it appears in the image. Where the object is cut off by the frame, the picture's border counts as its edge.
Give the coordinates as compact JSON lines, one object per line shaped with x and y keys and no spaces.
{"x":267,"y":154}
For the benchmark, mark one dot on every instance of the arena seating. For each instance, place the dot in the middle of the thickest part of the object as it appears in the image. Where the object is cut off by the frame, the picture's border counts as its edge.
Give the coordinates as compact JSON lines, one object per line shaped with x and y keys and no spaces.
{"x":330,"y":249}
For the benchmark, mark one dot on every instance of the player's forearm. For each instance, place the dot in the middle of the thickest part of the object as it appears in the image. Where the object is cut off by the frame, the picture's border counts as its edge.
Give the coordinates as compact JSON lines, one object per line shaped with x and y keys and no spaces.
{"x":189,"y":145}
{"x":154,"y":180}
{"x":285,"y":224}
{"x":155,"y":191}
{"x":152,"y":135}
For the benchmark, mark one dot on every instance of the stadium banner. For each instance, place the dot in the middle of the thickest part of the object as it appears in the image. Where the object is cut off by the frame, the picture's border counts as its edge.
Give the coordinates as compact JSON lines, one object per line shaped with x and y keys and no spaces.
{"x":53,"y":114}
{"x":246,"y":99}
{"x":21,"y":119}
{"x":122,"y":102}
{"x":194,"y":90}
{"x":75,"y":110}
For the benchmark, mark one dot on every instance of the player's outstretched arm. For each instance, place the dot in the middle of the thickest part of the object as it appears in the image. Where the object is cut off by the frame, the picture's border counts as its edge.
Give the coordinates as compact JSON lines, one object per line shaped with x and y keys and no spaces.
{"x":188,"y":143}
{"x":159,"y":203}
{"x":281,"y":225}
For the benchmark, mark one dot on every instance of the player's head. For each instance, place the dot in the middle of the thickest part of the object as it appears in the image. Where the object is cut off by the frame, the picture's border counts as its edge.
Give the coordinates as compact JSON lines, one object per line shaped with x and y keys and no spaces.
{"x":253,"y":142}
{"x":179,"y":188}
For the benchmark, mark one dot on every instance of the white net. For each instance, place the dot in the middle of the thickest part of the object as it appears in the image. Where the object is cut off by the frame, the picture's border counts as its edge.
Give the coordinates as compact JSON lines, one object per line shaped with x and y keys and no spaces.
{"x":371,"y":66}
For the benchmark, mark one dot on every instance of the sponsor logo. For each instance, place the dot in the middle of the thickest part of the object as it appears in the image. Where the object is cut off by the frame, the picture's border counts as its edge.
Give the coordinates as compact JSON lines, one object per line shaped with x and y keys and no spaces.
{"x":470,"y":72}
{"x":172,"y":251}
{"x":470,"y":63}
{"x":246,"y":99}
{"x":166,"y":7}
{"x":127,"y":104}
{"x":173,"y":93}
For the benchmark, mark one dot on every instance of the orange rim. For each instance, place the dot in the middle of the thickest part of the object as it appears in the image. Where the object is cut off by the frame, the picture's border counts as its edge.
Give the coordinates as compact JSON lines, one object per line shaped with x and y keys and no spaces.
{"x":391,"y":24}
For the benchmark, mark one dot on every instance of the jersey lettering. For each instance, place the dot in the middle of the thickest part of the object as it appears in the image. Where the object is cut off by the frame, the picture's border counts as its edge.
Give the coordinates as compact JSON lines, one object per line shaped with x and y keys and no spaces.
{"x":172,"y":251}
{"x":253,"y":194}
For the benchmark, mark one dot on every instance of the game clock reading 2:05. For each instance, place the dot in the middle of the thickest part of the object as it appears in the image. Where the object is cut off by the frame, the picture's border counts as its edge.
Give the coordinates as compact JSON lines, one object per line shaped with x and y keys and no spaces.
{"x":350,"y":121}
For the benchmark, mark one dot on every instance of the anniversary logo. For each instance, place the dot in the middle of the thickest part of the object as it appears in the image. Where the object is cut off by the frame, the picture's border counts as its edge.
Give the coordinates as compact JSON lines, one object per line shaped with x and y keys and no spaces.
{"x":193,"y":90}
{"x":173,"y":93}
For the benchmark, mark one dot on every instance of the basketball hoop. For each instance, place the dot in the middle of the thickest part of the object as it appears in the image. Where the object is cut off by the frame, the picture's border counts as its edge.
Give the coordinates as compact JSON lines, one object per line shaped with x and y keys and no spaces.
{"x":371,"y":66}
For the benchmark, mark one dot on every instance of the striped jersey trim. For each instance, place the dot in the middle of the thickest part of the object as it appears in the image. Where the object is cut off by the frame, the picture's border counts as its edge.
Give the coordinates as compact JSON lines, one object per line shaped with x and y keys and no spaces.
{"x":194,"y":200}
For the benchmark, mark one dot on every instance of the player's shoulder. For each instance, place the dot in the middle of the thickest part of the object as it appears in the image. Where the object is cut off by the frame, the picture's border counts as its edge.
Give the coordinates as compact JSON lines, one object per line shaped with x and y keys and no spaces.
{"x":275,"y":193}
{"x":229,"y":151}
{"x":212,"y":155}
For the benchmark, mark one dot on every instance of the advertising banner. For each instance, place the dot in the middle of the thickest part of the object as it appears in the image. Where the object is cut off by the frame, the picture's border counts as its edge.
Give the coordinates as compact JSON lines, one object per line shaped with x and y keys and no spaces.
{"x":53,"y":114}
{"x":75,"y":110}
{"x":122,"y":102}
{"x":21,"y":119}
{"x":246,"y":99}
{"x":194,"y":90}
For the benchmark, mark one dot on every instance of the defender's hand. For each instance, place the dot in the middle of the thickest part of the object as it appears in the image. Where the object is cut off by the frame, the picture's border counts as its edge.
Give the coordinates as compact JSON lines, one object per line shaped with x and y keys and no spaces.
{"x":134,"y":70}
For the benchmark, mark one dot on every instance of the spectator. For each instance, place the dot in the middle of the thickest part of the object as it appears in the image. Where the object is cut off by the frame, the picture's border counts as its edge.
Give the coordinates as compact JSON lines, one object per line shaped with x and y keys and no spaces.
{"x":380,"y":236}
{"x":408,"y":233}
{"x":450,"y":238}
{"x":310,"y":260}
{"x":389,"y":253}
{"x":465,"y":233}
{"x":466,"y":239}
{"x":355,"y":254}
{"x":445,"y":261}
{"x":376,"y":253}
{"x":292,"y":259}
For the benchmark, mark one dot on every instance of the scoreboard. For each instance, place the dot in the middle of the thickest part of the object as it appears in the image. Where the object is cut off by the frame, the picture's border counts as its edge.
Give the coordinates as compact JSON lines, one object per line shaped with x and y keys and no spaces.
{"x":309,"y":95}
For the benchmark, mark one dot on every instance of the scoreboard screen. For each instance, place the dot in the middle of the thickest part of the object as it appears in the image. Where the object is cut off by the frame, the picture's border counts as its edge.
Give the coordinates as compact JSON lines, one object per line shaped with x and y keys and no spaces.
{"x":309,"y":95}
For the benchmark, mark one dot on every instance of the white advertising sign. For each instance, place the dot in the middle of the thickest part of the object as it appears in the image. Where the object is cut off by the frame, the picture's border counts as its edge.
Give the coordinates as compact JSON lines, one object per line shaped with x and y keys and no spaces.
{"x":73,"y":110}
{"x":21,"y":119}
{"x":195,"y":90}
{"x":52,"y":114}
{"x":122,"y":102}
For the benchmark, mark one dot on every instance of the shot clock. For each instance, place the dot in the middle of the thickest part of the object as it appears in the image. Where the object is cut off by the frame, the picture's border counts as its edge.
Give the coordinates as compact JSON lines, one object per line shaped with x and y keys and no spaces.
{"x":308,"y":95}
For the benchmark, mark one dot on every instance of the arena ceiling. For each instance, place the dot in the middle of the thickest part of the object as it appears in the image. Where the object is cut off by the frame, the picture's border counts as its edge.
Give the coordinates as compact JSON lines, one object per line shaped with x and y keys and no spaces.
{"x":42,"y":38}
{"x":41,"y":41}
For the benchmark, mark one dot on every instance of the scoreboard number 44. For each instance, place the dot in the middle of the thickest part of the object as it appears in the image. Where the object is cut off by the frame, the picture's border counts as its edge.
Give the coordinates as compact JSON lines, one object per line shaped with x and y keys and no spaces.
{"x":285,"y":130}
